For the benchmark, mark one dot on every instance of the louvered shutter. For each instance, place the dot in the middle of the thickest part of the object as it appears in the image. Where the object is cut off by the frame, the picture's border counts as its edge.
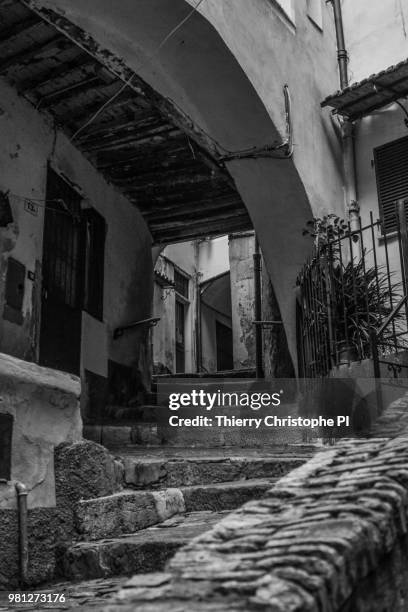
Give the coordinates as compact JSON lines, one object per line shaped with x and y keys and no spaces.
{"x":391,"y":167}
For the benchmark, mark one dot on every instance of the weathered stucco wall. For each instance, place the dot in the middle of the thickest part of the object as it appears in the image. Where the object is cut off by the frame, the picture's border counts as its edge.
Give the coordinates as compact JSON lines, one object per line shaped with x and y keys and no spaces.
{"x":241,"y":250}
{"x":226,"y":67}
{"x":44,"y":405}
{"x":29,"y":144}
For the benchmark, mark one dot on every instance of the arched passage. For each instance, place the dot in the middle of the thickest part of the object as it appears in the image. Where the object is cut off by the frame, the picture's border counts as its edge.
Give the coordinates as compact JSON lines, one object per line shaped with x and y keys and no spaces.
{"x":197,"y":71}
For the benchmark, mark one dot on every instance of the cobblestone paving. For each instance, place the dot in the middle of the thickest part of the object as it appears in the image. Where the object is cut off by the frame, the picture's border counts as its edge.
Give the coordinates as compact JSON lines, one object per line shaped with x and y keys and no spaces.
{"x":92,"y":593}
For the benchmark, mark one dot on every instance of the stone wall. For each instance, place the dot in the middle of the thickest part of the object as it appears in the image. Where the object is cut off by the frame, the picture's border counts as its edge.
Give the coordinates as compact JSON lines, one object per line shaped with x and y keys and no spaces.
{"x":329,"y":536}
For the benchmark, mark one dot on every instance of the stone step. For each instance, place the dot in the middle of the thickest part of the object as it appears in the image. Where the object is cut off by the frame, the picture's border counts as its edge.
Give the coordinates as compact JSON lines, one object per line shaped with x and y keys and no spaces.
{"x":141,"y":472}
{"x":152,"y":434}
{"x":142,"y":552}
{"x":130,"y":511}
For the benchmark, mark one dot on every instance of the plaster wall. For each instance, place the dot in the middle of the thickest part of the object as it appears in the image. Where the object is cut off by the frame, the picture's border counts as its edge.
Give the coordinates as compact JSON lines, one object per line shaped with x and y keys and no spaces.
{"x":45,"y":407}
{"x":163,"y":334}
{"x":209,"y":320}
{"x":164,"y":306}
{"x":241,"y":250}
{"x":226,"y":68}
{"x":376,"y":35}
{"x":29,"y":142}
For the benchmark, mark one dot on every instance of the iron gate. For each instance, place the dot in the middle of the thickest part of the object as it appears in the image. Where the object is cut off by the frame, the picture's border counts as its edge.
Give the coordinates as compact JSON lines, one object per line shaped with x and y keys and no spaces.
{"x":351,"y":298}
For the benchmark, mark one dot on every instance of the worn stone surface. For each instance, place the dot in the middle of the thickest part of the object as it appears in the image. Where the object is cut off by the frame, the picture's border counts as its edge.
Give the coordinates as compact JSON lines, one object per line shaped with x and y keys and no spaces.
{"x":224,"y":496}
{"x":41,"y":531}
{"x":91,"y":593}
{"x":130,"y":511}
{"x":142,"y":552}
{"x":208,"y":470}
{"x":83,"y":470}
{"x":126,"y":512}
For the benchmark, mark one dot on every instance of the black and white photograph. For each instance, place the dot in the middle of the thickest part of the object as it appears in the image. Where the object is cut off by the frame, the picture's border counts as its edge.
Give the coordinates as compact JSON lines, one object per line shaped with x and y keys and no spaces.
{"x":204,"y":305}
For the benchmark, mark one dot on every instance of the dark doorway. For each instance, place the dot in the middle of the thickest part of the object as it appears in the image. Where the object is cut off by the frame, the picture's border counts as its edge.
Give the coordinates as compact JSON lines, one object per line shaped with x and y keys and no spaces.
{"x":6,"y":431}
{"x":180,"y":337}
{"x":225,"y":359}
{"x":62,"y":277}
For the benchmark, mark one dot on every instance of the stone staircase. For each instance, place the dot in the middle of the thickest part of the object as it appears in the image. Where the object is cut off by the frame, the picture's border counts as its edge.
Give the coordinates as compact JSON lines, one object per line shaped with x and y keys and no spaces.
{"x":169,"y":497}
{"x":165,"y":502}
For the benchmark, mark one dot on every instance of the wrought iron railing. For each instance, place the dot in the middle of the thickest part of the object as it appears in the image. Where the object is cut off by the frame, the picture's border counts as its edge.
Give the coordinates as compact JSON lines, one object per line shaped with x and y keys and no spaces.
{"x":351,"y":298}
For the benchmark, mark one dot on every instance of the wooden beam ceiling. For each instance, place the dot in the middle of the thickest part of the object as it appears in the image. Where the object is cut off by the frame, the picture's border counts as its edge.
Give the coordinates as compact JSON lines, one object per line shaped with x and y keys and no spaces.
{"x":142,"y":143}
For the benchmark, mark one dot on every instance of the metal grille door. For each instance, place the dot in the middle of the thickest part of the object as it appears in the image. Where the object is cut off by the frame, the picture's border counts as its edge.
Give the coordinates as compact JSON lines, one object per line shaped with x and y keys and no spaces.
{"x":62,"y":275}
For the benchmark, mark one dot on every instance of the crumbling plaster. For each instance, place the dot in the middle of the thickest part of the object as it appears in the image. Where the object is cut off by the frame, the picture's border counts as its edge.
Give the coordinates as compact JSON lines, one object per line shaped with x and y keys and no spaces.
{"x":44,"y":404}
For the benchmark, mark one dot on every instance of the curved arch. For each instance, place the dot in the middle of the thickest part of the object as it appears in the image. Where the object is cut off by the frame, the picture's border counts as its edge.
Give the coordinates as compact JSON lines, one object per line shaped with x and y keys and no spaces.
{"x":197,"y":70}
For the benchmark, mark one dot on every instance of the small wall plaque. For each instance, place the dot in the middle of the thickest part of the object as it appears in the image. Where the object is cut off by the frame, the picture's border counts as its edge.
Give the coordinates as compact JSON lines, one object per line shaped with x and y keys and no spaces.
{"x":31,"y":208}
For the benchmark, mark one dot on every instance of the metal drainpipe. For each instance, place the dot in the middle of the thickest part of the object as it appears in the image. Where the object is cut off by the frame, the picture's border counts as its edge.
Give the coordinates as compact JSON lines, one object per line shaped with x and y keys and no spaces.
{"x":258,"y":311}
{"x":22,"y":493}
{"x":198,"y":347}
{"x":347,"y":127}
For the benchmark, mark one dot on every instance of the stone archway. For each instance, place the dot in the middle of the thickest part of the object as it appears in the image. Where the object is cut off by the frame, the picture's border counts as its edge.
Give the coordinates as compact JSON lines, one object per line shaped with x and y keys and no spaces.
{"x":201,"y":75}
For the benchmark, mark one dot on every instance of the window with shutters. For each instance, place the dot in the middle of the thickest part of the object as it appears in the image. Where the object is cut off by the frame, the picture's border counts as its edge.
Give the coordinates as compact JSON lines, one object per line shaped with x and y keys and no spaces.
{"x":181,"y":284}
{"x":391,"y":167}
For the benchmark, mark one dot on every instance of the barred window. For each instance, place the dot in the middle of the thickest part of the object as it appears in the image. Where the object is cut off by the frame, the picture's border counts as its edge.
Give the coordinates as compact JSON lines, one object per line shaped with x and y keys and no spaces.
{"x":181,"y":284}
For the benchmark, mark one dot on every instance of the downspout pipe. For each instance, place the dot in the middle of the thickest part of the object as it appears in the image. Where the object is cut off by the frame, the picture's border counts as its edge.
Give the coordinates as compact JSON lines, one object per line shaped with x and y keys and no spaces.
{"x":342,"y":54}
{"x":22,"y":493}
{"x":347,"y":127}
{"x":258,"y":310}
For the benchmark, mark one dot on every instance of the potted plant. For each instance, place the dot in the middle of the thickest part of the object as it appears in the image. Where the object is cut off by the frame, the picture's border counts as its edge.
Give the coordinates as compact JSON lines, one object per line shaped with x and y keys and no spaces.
{"x":348,"y":297}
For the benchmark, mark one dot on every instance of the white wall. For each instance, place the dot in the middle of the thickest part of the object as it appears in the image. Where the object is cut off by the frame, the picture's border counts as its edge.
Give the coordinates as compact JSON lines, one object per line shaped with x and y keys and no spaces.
{"x":376,"y":35}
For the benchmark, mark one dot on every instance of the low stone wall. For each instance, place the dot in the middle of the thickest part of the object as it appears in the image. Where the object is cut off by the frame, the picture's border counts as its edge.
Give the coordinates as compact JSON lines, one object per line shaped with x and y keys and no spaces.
{"x":331,"y":535}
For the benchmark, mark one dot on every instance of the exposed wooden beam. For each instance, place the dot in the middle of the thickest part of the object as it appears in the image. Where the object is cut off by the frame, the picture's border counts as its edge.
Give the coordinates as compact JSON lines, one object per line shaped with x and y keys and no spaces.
{"x":162,"y":174}
{"x":31,"y":52}
{"x":121,"y":70}
{"x":192,"y":232}
{"x":141,"y":159}
{"x":195,"y":209}
{"x":129,"y":117}
{"x":149,"y":125}
{"x":62,"y":69}
{"x":21,"y":27}
{"x":69,"y":92}
{"x":132,"y":141}
{"x":218,"y":220}
{"x":77,"y":118}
